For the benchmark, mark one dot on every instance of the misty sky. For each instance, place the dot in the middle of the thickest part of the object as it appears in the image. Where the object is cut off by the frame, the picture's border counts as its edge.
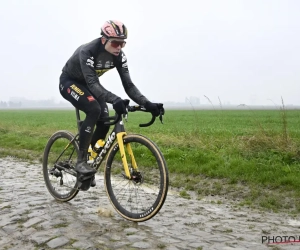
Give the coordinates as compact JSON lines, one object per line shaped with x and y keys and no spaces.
{"x":241,"y":51}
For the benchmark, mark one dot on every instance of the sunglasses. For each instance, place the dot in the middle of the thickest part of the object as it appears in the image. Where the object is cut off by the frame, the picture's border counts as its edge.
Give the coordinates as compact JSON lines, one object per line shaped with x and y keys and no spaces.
{"x":116,"y":44}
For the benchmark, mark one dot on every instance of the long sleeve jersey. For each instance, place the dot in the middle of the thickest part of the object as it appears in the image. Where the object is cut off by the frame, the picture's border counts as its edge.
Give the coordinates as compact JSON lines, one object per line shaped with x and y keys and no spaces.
{"x":90,"y":61}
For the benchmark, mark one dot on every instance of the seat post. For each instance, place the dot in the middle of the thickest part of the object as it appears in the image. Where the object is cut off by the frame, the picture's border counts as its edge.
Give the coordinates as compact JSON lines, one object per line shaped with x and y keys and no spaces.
{"x":79,"y":122}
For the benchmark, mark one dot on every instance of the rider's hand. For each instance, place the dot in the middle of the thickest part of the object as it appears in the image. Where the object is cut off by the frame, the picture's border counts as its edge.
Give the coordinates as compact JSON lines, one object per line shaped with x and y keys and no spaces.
{"x":119,"y":106}
{"x":154,"y":108}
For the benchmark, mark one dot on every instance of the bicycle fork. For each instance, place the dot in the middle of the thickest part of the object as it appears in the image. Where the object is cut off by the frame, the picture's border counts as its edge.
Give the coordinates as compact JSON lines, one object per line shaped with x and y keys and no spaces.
{"x":120,"y":136}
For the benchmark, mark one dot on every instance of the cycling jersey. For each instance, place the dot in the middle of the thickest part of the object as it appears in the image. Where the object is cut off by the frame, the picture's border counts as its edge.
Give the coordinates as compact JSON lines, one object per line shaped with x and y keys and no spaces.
{"x":90,"y":61}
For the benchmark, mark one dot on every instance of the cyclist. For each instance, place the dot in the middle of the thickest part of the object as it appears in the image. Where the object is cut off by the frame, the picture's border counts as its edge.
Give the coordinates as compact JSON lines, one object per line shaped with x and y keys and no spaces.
{"x":79,"y":84}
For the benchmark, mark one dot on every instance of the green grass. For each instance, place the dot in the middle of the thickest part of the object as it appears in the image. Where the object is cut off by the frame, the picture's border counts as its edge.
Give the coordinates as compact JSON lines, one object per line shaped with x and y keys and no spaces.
{"x":252,"y":155}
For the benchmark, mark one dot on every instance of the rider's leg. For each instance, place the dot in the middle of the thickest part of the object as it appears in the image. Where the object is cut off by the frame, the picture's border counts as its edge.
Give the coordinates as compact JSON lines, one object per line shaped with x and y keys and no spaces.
{"x":80,"y":97}
{"x":101,"y":129}
{"x":85,"y":135}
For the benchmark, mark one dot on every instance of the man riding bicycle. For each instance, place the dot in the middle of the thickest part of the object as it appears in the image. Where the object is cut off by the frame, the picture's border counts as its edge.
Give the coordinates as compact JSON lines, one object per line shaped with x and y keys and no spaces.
{"x":79,"y":84}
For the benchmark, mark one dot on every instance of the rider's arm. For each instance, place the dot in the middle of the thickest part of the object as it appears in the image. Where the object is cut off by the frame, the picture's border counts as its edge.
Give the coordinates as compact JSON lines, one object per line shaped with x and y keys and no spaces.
{"x":130,"y":89}
{"x":91,"y":78}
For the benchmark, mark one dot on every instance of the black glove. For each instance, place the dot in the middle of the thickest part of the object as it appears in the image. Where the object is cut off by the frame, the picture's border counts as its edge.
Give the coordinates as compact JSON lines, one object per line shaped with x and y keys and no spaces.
{"x":154,"y":108}
{"x":119,"y":106}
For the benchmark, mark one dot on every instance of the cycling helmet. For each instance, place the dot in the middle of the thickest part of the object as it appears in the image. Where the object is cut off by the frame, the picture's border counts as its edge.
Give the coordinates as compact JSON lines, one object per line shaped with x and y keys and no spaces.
{"x":114,"y":29}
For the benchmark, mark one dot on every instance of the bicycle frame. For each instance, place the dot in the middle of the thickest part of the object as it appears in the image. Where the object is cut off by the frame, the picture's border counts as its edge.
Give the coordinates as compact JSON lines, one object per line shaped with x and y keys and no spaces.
{"x":136,"y":193}
{"x":117,"y":133}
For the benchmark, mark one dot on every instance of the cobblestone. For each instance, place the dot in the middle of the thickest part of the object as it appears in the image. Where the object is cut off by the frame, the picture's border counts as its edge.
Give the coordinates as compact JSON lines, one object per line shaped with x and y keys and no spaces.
{"x":32,"y":219}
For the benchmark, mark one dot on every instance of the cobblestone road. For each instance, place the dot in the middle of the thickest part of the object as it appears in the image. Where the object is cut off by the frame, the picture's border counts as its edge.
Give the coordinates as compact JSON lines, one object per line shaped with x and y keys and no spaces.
{"x":32,"y":219}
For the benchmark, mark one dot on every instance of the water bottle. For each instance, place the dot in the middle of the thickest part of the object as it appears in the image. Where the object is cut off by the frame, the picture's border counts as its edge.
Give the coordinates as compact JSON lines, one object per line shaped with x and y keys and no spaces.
{"x":98,"y":146}
{"x":92,"y":153}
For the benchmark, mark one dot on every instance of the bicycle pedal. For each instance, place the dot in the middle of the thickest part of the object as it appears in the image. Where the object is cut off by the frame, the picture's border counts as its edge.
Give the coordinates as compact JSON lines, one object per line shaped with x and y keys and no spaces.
{"x":84,"y":177}
{"x":85,"y":182}
{"x":84,"y":185}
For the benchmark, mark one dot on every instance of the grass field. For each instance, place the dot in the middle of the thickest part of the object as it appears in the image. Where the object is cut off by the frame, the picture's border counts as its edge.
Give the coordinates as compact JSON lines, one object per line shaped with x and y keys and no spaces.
{"x":250,"y":156}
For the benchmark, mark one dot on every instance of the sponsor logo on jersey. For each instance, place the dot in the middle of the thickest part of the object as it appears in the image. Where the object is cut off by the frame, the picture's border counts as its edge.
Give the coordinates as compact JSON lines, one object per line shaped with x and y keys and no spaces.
{"x":76,"y":89}
{"x":88,"y":129}
{"x":124,"y":59}
{"x":99,"y":64}
{"x":91,"y":98}
{"x":100,"y":72}
{"x":90,"y":61}
{"x":74,"y":95}
{"x":107,"y":64}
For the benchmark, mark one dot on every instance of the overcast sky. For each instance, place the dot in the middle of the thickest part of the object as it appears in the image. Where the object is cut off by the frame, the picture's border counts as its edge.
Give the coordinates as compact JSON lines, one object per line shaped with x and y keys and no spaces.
{"x":241,"y":51}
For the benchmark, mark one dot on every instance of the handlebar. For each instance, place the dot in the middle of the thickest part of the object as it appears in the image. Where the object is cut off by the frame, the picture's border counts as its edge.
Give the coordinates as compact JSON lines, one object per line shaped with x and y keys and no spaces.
{"x":117,"y":117}
{"x":141,"y":108}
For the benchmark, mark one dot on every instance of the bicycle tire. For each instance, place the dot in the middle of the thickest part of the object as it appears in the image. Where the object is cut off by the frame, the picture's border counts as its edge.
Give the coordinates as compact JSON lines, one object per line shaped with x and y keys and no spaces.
{"x":137,"y":201}
{"x":61,"y":184}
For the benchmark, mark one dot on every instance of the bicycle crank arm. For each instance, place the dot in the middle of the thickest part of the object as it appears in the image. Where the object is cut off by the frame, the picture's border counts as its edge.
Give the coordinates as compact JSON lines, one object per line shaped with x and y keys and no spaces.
{"x":67,"y":170}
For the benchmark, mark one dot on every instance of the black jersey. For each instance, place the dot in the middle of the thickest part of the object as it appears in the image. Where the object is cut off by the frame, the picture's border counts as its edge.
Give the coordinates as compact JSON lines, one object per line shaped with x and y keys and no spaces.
{"x":90,"y":61}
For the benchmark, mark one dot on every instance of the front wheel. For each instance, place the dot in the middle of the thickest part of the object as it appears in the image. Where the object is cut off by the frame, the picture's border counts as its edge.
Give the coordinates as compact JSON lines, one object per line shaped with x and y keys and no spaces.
{"x":141,"y":197}
{"x":60,"y":156}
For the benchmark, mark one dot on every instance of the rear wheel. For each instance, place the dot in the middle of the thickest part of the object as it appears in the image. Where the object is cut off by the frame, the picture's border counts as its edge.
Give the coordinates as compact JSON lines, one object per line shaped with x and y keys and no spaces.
{"x":141,"y":197}
{"x":60,"y":157}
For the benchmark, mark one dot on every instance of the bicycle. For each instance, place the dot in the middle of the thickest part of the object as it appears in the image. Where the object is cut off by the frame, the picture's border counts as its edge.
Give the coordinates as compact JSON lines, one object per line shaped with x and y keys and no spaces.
{"x":137,"y":189}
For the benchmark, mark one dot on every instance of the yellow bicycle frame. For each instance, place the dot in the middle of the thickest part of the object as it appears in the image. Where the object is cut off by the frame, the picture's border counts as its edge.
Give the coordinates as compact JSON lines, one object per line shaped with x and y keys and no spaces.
{"x":120,"y":136}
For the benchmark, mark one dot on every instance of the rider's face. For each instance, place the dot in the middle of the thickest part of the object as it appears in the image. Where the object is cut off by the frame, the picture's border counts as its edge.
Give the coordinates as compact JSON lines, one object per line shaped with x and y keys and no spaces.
{"x":114,"y":45}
